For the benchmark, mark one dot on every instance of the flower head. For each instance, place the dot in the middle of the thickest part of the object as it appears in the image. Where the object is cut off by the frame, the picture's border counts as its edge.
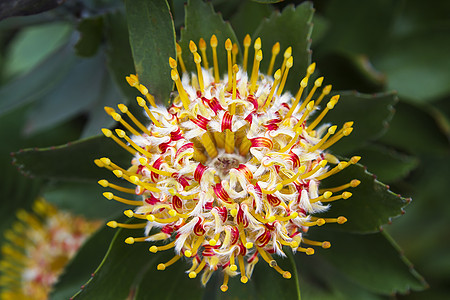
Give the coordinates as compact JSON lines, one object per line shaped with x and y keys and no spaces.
{"x":38,"y":247}
{"x":230,"y":172}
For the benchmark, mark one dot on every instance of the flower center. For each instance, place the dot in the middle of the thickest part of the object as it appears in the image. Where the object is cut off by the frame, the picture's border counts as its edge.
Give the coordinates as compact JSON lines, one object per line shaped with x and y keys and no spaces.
{"x":224,"y":162}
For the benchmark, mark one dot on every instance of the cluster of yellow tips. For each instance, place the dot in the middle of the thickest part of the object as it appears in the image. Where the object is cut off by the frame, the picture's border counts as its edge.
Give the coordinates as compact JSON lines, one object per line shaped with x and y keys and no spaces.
{"x":230,"y":173}
{"x":37,"y":248}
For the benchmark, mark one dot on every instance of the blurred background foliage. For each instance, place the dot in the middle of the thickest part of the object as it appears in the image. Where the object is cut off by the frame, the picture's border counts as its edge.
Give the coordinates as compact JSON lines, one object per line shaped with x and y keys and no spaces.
{"x":61,"y":62}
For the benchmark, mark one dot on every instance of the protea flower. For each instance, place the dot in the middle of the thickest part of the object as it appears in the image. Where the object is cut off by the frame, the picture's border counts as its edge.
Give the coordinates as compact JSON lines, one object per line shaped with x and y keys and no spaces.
{"x":230,"y":173}
{"x":38,"y":247}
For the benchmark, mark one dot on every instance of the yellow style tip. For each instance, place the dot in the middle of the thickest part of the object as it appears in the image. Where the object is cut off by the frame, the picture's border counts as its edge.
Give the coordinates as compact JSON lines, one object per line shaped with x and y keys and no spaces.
{"x":129,"y":213}
{"x":143,"y":160}
{"x":319,"y":82}
{"x":332,"y":129}
{"x":228,"y":45}
{"x":320,"y":222}
{"x":310,"y":106}
{"x":355,"y":159}
{"x":197,"y":58}
{"x":257,"y":44}
{"x":213,"y":41}
{"x":290,"y":62}
{"x":202,"y":44}
{"x":103,"y":182}
{"x":192,"y":47}
{"x":108,"y":110}
{"x":304,"y":82}
{"x":277,"y":75}
{"x":143,"y":89}
{"x":105,"y":160}
{"x":112,"y":224}
{"x":106,"y":132}
{"x":346,"y":195}
{"x":172,"y":63}
{"x":327,"y":89}
{"x":235,"y":49}
{"x":247,"y":40}
{"x":276,"y":48}
{"x":120,"y":133}
{"x":327,"y":194}
{"x":288,"y":52}
{"x":123,"y":108}
{"x":140,"y":101}
{"x":108,"y":195}
{"x":355,"y":183}
{"x":311,"y":68}
{"x":259,"y":55}
{"x":118,"y":173}
{"x":341,"y":220}
{"x":347,"y":131}
{"x":233,"y":212}
{"x":174,"y":75}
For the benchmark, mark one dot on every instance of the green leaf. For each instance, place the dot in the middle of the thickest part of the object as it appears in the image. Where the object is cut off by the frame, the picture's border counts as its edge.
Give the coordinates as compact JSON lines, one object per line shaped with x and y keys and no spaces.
{"x":37,"y":82}
{"x":370,"y":114}
{"x":406,"y":61}
{"x":25,"y":7}
{"x":268,"y":1}
{"x":97,"y":117}
{"x":73,"y":161}
{"x":319,"y":280}
{"x":80,"y":268}
{"x":373,"y":261}
{"x":34,"y":44}
{"x":371,"y":205}
{"x":292,"y":27}
{"x":73,"y":95}
{"x":387,"y":164}
{"x":84,"y":199}
{"x":414,"y":130}
{"x":358,"y":27}
{"x":118,"y":53}
{"x":152,"y":40}
{"x":172,"y":283}
{"x":123,"y":268}
{"x":202,"y":22}
{"x":91,"y":33}
{"x":248,"y":17}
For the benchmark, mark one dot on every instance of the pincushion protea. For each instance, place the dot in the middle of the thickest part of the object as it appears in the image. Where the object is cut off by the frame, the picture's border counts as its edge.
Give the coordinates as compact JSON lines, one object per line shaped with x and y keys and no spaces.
{"x":38,"y":247}
{"x":230,"y":172}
